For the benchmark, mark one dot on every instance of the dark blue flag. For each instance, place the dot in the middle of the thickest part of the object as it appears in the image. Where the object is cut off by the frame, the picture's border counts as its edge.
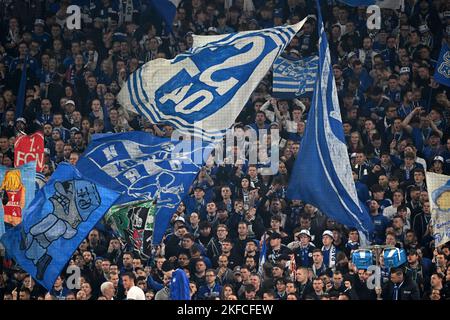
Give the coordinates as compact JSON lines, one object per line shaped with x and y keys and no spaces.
{"x":145,"y":167}
{"x":167,"y":9}
{"x":179,"y":286}
{"x":322,"y":174}
{"x":61,"y":215}
{"x":387,"y":4}
{"x":442,"y":72}
{"x":22,"y":89}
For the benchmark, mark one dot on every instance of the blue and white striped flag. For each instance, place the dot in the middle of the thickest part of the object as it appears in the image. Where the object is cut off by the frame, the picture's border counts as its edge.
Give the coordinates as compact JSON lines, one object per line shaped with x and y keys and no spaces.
{"x":201,"y":92}
{"x":294,"y":77}
{"x":322,"y":174}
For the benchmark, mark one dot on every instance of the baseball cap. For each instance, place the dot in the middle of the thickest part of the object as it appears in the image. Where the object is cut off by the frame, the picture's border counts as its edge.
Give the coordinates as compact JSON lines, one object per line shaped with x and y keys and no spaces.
{"x":74,"y":129}
{"x":212,"y":29}
{"x":438,"y":158}
{"x":237,"y":270}
{"x":294,"y":51}
{"x":69,"y":102}
{"x":135,"y":293}
{"x":405,"y":70}
{"x":423,"y":28}
{"x":180,"y":219}
{"x":21,"y":120}
{"x":39,"y":22}
{"x":327,"y":233}
{"x":305,"y":232}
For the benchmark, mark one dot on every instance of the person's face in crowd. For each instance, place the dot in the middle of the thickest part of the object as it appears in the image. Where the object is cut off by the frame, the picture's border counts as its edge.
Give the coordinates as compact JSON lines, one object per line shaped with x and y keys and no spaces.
{"x":211,"y":208}
{"x":317,"y":258}
{"x":210,"y":277}
{"x":390,"y":240}
{"x":67,"y":150}
{"x":187,"y":243}
{"x":360,"y":158}
{"x":354,"y":138}
{"x":226,"y":193}
{"x":295,"y":148}
{"x":281,"y":286}
{"x":226,"y":247}
{"x":127,"y":260}
{"x":87,"y":257}
{"x":128,"y":282}
{"x":199,"y":194}
{"x":86,"y":287}
{"x":4,"y":145}
{"x":327,"y":241}
{"x":194,"y":219}
{"x":396,"y":278}
{"x":250,"y":247}
{"x":277,"y":272}
{"x":397,"y":223}
{"x":367,"y":44}
{"x":318,"y":285}
{"x":222,"y":233}
{"x":81,"y":295}
{"x":200,"y":266}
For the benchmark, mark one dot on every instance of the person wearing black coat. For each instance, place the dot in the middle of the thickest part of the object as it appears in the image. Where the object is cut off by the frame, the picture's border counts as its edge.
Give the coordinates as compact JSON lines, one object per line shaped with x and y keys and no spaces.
{"x":400,"y":287}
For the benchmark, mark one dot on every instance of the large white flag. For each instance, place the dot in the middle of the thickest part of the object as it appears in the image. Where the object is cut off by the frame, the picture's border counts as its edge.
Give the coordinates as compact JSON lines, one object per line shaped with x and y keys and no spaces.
{"x":202,"y":91}
{"x":439,"y":193}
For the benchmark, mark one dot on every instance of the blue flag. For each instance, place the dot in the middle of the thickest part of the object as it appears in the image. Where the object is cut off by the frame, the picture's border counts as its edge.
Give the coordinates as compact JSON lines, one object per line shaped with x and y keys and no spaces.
{"x":61,"y":215}
{"x":294,"y":77}
{"x":322,"y":174}
{"x":167,"y":9}
{"x":442,"y":72}
{"x":202,"y":92}
{"x":387,"y":4}
{"x":22,"y":90}
{"x":262,"y":254}
{"x":179,"y":286}
{"x":144,"y":167}
{"x":18,"y":185}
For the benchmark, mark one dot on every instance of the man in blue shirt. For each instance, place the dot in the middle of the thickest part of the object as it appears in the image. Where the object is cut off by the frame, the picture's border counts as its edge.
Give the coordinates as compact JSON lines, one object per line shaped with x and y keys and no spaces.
{"x":211,"y":289}
{"x":380,"y":222}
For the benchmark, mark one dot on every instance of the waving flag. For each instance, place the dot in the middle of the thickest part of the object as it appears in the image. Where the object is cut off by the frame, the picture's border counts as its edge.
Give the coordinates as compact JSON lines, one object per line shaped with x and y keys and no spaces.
{"x":294,"y":77}
{"x":262,"y":254}
{"x":144,"y":167}
{"x":18,"y":187}
{"x":133,"y":223}
{"x":439,"y":193}
{"x":387,"y":4}
{"x":30,"y":148}
{"x":61,"y":215}
{"x":22,"y":90}
{"x":167,"y":9}
{"x":179,"y":286}
{"x":322,"y":175}
{"x":442,"y":71}
{"x":201,"y":92}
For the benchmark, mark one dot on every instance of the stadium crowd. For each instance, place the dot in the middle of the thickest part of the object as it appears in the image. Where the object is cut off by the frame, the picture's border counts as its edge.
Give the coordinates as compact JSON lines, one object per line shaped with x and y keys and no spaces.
{"x":395,"y":118}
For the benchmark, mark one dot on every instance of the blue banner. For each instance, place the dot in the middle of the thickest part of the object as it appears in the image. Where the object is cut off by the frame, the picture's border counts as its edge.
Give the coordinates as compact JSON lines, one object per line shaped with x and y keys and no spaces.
{"x":387,"y":4}
{"x":322,"y":174}
{"x":179,"y":286}
{"x":61,"y":215}
{"x":202,"y":92}
{"x":294,"y":77}
{"x":167,"y":9}
{"x":144,"y":167}
{"x":442,"y":72}
{"x":17,"y":185}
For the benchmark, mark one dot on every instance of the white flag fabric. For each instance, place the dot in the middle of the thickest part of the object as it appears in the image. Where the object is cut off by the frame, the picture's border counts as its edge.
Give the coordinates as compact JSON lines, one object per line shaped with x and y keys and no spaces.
{"x":202,"y":91}
{"x":439,"y":194}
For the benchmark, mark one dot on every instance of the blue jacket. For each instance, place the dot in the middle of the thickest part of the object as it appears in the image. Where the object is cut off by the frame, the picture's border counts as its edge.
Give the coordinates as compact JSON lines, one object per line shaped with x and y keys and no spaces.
{"x":380,"y":223}
{"x":205,"y":292}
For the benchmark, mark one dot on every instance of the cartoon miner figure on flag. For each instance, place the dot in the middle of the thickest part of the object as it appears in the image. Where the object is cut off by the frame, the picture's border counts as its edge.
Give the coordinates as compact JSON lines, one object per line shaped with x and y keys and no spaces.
{"x":72,"y":202}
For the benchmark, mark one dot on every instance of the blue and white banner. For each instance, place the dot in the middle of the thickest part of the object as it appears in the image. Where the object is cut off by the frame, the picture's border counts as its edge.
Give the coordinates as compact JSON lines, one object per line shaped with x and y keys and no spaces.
{"x":167,"y":9}
{"x":17,"y":185}
{"x":322,"y":174}
{"x":202,"y":91}
{"x":442,"y":72}
{"x":387,"y":4}
{"x":438,"y":186}
{"x":144,"y":167}
{"x":61,"y":215}
{"x":294,"y":77}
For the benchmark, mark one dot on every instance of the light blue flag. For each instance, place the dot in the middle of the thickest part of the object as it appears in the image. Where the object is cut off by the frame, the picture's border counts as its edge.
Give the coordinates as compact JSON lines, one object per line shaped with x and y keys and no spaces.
{"x":61,"y":215}
{"x":387,"y":4}
{"x":442,"y":72}
{"x":322,"y":174}
{"x":19,"y":185}
{"x":167,"y":9}
{"x":201,"y":92}
{"x":294,"y":77}
{"x":142,"y":166}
